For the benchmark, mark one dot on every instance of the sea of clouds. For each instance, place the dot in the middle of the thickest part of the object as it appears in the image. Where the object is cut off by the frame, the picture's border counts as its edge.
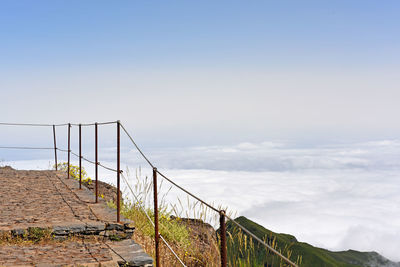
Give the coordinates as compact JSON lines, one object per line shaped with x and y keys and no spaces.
{"x":341,"y":196}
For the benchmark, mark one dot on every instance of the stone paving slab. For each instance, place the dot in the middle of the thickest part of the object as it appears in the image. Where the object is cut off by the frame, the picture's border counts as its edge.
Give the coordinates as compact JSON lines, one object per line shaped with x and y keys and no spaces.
{"x":38,"y":199}
{"x":57,"y":254}
{"x":75,"y":253}
{"x":47,"y":199}
{"x":130,"y":253}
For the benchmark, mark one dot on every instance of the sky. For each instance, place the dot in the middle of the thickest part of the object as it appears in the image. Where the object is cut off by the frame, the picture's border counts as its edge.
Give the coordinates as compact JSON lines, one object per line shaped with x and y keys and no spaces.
{"x":205,"y":72}
{"x":297,"y":96}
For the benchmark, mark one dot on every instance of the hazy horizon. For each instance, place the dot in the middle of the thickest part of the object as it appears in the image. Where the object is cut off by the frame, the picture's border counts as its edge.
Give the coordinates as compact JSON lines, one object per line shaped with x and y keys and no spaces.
{"x":205,"y":73}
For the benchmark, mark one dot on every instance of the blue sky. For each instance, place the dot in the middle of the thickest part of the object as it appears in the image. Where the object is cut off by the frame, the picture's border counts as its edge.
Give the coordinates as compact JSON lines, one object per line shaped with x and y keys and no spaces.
{"x":207,"y":72}
{"x":176,"y":34}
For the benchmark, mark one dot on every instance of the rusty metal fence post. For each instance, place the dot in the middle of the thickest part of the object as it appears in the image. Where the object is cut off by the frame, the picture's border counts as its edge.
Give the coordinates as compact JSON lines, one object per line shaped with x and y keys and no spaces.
{"x":96,"y":160}
{"x":69,"y":146}
{"x":80,"y":156}
{"x":55,"y":146}
{"x":118,"y":171}
{"x":222,"y":235}
{"x":156,"y":234}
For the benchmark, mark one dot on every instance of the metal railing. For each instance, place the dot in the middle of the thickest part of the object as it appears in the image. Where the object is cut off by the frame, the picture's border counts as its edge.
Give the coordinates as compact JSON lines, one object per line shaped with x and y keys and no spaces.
{"x":155,"y":172}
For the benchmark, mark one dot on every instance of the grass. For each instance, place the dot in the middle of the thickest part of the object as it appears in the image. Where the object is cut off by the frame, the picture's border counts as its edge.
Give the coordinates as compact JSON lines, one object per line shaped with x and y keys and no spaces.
{"x":195,"y":242}
{"x":31,"y":235}
{"x":172,"y":227}
{"x":305,"y":254}
{"x":244,"y":251}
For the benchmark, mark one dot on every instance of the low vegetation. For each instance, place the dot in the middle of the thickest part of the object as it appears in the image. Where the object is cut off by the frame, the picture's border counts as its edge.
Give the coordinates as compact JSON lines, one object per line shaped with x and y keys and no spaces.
{"x":244,"y":251}
{"x":31,"y":235}
{"x":191,"y":240}
{"x":307,"y":255}
{"x":74,"y":172}
{"x":195,"y":242}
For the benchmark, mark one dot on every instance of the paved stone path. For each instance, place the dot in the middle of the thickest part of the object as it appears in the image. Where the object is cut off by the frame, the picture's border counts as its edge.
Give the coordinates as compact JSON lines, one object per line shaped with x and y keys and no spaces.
{"x":62,"y":253}
{"x":38,"y":198}
{"x":46,"y":199}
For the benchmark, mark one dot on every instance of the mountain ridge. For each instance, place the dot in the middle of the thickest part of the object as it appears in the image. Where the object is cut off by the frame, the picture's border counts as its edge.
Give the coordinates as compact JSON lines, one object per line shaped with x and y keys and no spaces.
{"x":311,"y":256}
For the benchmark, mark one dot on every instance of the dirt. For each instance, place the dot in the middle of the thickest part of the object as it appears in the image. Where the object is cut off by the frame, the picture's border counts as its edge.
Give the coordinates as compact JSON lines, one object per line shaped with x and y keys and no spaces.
{"x":204,"y":240}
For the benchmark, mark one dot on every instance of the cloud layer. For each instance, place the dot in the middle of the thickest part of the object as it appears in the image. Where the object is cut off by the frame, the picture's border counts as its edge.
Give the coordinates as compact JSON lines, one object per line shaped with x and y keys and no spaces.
{"x":335,"y":196}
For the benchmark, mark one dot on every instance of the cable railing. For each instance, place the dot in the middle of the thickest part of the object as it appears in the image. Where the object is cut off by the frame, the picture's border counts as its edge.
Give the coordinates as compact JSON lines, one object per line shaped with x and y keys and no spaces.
{"x":155,"y":223}
{"x":26,"y":147}
{"x":150,"y":221}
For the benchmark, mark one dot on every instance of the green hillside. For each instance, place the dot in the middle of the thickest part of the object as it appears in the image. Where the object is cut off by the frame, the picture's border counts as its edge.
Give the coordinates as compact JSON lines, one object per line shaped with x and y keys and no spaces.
{"x":252,"y":254}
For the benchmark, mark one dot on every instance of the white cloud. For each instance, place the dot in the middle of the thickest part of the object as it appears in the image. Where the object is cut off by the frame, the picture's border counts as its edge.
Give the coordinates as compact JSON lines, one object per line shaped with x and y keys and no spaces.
{"x":247,"y":146}
{"x":338,"y":196}
{"x":278,"y":156}
{"x":318,"y":194}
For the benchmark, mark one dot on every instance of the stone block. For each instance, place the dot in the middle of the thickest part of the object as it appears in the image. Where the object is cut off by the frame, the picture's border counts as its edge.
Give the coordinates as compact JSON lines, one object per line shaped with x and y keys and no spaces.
{"x":69,"y":229}
{"x":129,"y":226}
{"x":18,"y":232}
{"x":94,"y":228}
{"x":114,"y":226}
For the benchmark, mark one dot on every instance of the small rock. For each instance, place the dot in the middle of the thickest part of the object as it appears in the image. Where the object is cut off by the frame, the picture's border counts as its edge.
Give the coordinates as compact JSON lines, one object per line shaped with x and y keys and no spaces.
{"x":18,"y":232}
{"x":114,"y":226}
{"x":129,"y":226}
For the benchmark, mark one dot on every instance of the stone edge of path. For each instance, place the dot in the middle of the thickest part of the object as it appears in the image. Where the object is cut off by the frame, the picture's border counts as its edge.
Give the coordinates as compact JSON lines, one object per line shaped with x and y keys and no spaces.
{"x":106,"y":217}
{"x":125,"y":251}
{"x":131,"y":253}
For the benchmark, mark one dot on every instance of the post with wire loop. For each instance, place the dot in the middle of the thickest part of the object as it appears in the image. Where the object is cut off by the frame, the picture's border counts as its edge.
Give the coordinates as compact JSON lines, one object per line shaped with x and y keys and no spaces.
{"x":118,"y":171}
{"x":222,"y":235}
{"x":96,"y":160}
{"x":55,"y":146}
{"x":80,"y":156}
{"x":69,"y":146}
{"x":156,"y":234}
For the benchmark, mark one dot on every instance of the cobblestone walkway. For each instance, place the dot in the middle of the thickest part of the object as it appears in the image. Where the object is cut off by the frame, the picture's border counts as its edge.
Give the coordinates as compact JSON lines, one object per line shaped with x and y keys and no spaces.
{"x":58,"y":254}
{"x":46,"y":199}
{"x":38,"y":198}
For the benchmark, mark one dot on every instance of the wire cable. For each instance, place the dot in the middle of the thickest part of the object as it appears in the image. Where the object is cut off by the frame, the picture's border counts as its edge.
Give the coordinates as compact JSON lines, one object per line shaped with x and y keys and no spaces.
{"x":137,"y":147}
{"x":262,"y":242}
{"x":187,"y":192}
{"x":92,"y":124}
{"x":149,"y":162}
{"x":169,"y":180}
{"x":205,"y":203}
{"x":108,"y":168}
{"x":24,"y":124}
{"x":48,"y":125}
{"x":88,"y":160}
{"x":151,"y":221}
{"x":76,"y":155}
{"x":32,"y":124}
{"x":25,"y":147}
{"x":173,"y":252}
{"x":137,"y":200}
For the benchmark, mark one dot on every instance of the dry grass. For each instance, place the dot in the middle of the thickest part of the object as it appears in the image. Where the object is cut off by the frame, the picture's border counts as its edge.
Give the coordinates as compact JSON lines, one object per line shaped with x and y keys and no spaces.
{"x":243,"y":251}
{"x":43,"y":236}
{"x":32,"y":235}
{"x":195,"y":242}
